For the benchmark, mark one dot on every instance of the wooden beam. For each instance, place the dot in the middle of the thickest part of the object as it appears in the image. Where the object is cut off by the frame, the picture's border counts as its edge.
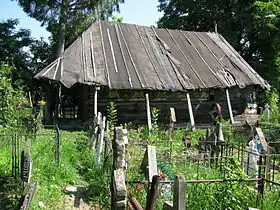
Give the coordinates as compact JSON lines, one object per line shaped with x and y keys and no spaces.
{"x":95,"y":100}
{"x":100,"y":141}
{"x":229,"y":107}
{"x":148,"y":113}
{"x":190,"y":111}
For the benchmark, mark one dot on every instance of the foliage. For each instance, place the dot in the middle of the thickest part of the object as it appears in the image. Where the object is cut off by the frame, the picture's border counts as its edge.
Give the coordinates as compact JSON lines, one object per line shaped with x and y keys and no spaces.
{"x":112,"y":114}
{"x":67,"y":19}
{"x":117,"y":19}
{"x":12,"y":45}
{"x":274,"y":103}
{"x":10,"y":193}
{"x":154,"y":116}
{"x":14,"y":108}
{"x":252,"y":27}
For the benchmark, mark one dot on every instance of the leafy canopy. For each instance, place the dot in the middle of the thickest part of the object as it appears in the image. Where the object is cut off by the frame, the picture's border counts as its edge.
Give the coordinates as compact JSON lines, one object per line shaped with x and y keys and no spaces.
{"x":67,"y":19}
{"x":13,"y":44}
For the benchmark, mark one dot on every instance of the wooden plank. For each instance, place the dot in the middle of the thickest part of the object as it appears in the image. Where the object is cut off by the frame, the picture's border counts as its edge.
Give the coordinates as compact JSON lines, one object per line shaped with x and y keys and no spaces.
{"x":95,"y":100}
{"x":148,"y":113}
{"x":149,"y":163}
{"x":96,"y":128}
{"x":229,"y":107}
{"x":179,"y":195}
{"x":190,"y":111}
{"x":100,"y":141}
{"x":172,"y":114}
{"x":262,"y":138}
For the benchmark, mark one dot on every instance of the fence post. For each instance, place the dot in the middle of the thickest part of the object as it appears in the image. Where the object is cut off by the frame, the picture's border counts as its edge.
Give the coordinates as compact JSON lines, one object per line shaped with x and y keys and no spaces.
{"x":179,"y":195}
{"x":108,"y":146}
{"x":260,"y":182}
{"x":152,"y":194}
{"x":96,"y":131}
{"x":100,"y":141}
{"x":58,"y":144}
{"x":268,"y":163}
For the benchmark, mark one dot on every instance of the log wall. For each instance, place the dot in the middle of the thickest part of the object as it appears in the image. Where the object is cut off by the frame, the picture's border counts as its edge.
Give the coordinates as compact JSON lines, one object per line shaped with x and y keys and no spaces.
{"x":131,"y":105}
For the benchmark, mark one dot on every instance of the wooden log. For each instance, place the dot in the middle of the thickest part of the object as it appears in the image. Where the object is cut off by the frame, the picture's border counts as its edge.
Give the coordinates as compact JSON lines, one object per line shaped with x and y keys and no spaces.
{"x":100,"y":141}
{"x":149,"y":163}
{"x":229,"y":106}
{"x":148,"y":113}
{"x":190,"y":111}
{"x":179,"y":195}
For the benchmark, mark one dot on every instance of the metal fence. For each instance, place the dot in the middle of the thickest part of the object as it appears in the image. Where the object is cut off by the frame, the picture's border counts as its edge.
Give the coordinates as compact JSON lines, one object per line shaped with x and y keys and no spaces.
{"x":13,"y":145}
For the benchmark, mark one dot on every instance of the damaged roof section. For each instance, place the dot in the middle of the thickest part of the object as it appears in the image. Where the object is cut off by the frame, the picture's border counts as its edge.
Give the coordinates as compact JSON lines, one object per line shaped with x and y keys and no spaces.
{"x":126,"y":56}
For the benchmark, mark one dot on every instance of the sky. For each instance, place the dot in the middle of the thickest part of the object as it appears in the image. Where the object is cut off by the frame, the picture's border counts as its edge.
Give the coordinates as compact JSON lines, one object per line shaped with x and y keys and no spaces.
{"x":140,"y":12}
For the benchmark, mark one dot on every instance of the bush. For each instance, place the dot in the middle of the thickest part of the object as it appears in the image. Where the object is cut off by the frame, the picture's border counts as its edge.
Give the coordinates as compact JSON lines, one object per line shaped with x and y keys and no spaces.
{"x":14,"y":108}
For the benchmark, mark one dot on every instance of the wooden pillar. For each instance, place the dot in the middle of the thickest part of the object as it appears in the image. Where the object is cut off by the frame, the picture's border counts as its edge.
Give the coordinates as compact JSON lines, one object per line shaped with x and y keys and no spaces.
{"x":148,"y":113}
{"x":95,"y":100}
{"x":229,"y":106}
{"x":190,"y":111}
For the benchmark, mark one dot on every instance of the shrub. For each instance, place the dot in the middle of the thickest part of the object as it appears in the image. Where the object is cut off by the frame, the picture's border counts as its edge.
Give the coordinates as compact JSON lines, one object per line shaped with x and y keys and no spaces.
{"x":14,"y":108}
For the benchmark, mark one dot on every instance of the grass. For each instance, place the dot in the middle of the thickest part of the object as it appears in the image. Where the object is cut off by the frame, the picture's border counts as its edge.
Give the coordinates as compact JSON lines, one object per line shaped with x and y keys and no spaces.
{"x":76,"y":160}
{"x":77,"y":168}
{"x":52,"y":179}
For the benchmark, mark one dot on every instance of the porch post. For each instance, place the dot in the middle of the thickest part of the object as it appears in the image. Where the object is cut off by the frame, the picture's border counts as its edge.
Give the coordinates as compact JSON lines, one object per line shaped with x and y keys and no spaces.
{"x":190,"y":111}
{"x":95,"y":100}
{"x":229,"y":106}
{"x":148,"y":113}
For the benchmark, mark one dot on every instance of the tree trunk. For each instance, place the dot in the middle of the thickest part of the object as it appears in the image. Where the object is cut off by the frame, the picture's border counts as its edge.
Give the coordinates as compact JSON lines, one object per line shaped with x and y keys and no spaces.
{"x":62,"y":28}
{"x":60,"y":51}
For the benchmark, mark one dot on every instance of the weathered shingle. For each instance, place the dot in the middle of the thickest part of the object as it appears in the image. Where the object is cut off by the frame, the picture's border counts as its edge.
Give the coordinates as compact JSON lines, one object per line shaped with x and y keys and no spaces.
{"x":126,"y":56}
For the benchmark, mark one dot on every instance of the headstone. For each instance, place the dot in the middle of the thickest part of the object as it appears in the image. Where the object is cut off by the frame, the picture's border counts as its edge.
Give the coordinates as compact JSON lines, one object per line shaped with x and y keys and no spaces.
{"x":149,"y":164}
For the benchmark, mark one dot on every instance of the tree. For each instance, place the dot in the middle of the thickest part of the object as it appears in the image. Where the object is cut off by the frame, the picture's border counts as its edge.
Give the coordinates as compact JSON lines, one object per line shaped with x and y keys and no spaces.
{"x":66,"y":19}
{"x":251,"y":26}
{"x":13,"y":48}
